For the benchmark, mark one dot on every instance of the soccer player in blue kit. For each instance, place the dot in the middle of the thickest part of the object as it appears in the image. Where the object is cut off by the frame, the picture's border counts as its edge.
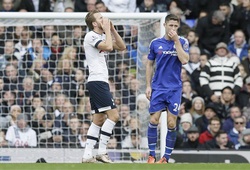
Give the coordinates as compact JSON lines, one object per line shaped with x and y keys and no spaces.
{"x":164,"y":90}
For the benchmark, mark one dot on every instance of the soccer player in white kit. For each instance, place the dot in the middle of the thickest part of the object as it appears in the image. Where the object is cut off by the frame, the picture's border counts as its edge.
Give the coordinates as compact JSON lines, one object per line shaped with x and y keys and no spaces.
{"x":97,"y":43}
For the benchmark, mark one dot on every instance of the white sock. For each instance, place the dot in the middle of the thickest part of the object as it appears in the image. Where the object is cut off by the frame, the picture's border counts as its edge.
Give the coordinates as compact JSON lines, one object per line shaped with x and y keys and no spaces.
{"x":106,"y":132}
{"x":92,"y":137}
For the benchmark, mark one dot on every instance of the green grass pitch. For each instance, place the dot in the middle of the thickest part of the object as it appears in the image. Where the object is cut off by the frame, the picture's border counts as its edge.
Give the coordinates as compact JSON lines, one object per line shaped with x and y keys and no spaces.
{"x":124,"y":166}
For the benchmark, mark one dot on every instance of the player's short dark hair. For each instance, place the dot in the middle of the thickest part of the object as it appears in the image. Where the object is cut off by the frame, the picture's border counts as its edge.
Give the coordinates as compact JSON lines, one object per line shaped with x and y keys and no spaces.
{"x":172,"y":17}
{"x":90,"y":19}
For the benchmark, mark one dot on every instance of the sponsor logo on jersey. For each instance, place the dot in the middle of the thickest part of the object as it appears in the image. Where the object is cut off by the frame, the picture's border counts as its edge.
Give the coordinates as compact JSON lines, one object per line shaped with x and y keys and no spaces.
{"x":174,"y":53}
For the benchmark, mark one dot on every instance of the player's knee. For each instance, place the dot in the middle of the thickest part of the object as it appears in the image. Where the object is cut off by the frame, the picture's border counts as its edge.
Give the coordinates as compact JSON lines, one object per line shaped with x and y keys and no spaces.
{"x":171,"y":124}
{"x":99,"y":122}
{"x":154,"y":120}
{"x":115,"y":117}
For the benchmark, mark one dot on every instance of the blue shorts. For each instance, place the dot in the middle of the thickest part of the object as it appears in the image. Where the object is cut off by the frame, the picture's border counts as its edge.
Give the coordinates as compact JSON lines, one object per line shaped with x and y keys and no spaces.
{"x":161,"y":100}
{"x":101,"y":98}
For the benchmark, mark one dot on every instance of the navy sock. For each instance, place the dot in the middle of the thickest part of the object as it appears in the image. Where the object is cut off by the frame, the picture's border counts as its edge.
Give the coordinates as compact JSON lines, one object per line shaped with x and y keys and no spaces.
{"x":152,"y":138}
{"x":170,"y":142}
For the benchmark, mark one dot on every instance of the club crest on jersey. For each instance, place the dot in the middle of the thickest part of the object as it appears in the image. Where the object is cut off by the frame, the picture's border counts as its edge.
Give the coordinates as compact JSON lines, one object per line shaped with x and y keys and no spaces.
{"x":185,"y":46}
{"x":159,"y":52}
{"x":94,"y":38}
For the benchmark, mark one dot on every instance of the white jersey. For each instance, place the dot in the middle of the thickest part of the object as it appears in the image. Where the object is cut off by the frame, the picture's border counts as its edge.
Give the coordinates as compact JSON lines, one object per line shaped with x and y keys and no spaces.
{"x":96,"y":59}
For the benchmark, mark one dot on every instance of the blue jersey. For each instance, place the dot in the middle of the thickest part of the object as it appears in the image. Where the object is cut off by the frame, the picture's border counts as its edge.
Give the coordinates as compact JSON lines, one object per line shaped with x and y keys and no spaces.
{"x":168,"y":66}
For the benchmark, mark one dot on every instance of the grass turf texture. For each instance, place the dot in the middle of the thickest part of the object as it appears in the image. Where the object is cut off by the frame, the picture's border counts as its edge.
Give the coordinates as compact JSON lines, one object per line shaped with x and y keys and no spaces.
{"x":124,"y":166}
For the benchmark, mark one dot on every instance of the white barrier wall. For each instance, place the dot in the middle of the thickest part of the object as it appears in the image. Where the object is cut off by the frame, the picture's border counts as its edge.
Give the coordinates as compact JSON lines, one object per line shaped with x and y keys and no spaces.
{"x":30,"y":155}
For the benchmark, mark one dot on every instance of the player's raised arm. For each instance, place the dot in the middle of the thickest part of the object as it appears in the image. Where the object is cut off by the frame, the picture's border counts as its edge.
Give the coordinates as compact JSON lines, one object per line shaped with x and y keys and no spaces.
{"x":106,"y":45}
{"x":118,"y":43}
{"x":182,"y":55}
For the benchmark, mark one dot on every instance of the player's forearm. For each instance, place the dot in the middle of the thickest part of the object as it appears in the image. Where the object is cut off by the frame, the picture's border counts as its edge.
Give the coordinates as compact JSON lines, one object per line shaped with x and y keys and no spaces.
{"x":149,"y":74}
{"x":119,"y":41}
{"x":182,"y":55}
{"x":108,"y":41}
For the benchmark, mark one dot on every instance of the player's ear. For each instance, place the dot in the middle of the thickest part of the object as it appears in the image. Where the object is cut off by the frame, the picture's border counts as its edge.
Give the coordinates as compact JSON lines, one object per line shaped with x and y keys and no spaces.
{"x":94,"y":24}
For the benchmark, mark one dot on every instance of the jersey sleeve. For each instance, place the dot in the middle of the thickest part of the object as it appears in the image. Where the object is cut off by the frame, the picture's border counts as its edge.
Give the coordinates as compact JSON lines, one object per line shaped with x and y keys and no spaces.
{"x":151,"y":54}
{"x":94,"y":40}
{"x":185,"y":45}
